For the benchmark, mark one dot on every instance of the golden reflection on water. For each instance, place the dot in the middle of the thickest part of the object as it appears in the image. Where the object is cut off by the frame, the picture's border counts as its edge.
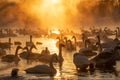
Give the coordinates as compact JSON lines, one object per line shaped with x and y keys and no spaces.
{"x":68,"y":71}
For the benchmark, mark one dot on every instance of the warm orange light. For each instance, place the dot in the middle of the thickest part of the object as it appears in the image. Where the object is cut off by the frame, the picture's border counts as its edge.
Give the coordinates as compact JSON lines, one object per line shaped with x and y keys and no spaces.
{"x":52,"y":13}
{"x":55,"y":1}
{"x":55,"y":31}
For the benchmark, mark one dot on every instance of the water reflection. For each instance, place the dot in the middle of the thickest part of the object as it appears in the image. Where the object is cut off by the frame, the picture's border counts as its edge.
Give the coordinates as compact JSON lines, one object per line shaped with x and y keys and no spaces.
{"x":65,"y":71}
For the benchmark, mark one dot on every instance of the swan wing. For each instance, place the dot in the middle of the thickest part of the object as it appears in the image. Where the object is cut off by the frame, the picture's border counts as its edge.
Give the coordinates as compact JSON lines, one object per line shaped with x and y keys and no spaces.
{"x":39,"y":69}
{"x":80,"y":60}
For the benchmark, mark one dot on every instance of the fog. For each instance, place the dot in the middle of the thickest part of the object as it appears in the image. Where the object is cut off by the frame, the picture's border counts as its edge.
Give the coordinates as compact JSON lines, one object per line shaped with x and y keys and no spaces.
{"x":47,"y":14}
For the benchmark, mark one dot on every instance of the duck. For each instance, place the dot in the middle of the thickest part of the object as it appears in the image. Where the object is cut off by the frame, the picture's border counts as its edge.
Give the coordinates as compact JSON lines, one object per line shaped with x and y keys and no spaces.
{"x":43,"y":69}
{"x":12,"y":57}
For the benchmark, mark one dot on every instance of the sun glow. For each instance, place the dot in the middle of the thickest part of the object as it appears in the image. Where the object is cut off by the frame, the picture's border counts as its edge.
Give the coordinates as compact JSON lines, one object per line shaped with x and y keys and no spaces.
{"x":55,"y":1}
{"x":52,"y":13}
{"x":55,"y":31}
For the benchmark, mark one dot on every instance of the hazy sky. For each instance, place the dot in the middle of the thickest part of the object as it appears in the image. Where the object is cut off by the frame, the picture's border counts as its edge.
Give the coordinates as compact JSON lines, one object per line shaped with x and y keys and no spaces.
{"x":59,"y":13}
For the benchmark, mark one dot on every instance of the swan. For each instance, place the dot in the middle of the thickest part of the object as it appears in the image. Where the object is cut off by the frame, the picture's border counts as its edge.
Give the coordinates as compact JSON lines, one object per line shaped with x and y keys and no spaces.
{"x":76,"y":43}
{"x":12,"y":58}
{"x":6,"y":45}
{"x":109,"y":44}
{"x":2,"y":52}
{"x":46,"y":58}
{"x":60,"y":57}
{"x":118,"y":31}
{"x":70,"y":46}
{"x":86,"y":51}
{"x":80,"y":61}
{"x":107,"y":58}
{"x":43,"y":69}
{"x":39,"y":43}
{"x":30,"y":43}
{"x":17,"y":43}
{"x":29,"y":55}
{"x":45,"y":52}
{"x":108,"y":32}
{"x":61,"y":41}
{"x":24,"y":54}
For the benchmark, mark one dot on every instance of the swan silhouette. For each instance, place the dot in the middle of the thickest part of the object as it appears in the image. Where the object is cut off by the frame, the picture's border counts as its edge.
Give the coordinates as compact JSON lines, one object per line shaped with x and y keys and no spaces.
{"x":43,"y":69}
{"x":46,"y":58}
{"x":80,"y":61}
{"x":29,"y":55}
{"x":107,"y":58}
{"x":12,"y":58}
{"x":24,"y":54}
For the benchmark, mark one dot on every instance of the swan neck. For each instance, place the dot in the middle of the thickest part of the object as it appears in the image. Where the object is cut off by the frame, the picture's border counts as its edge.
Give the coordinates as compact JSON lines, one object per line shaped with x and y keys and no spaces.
{"x":60,"y":50}
{"x":51,"y":62}
{"x":30,"y":49}
{"x":75,"y":39}
{"x":66,"y":40}
{"x":30,"y":38}
{"x":16,"y":52}
{"x":116,"y":34}
{"x":85,"y":43}
{"x":9,"y":43}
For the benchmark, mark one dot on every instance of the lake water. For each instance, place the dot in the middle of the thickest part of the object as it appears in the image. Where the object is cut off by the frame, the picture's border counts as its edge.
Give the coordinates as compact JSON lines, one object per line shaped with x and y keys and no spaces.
{"x":68,"y":71}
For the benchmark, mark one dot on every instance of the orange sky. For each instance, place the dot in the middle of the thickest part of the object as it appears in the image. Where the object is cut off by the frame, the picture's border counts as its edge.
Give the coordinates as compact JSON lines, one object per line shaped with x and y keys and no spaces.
{"x":63,"y":13}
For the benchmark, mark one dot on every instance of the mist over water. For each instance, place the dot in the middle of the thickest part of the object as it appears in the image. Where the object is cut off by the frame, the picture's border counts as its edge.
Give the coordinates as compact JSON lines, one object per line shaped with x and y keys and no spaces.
{"x":47,"y":14}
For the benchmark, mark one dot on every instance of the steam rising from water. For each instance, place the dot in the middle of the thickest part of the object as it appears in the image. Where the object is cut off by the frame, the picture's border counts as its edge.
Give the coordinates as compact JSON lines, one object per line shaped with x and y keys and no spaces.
{"x":60,"y":13}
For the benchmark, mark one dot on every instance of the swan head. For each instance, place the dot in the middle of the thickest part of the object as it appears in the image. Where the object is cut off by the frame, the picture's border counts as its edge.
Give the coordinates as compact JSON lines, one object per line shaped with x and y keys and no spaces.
{"x":19,"y":47}
{"x":117,"y":27}
{"x":58,"y":37}
{"x":55,"y":57}
{"x":73,"y":37}
{"x":62,"y":45}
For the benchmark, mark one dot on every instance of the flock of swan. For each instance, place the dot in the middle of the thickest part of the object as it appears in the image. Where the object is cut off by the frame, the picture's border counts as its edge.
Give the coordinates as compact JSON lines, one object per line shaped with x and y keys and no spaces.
{"x":96,"y":50}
